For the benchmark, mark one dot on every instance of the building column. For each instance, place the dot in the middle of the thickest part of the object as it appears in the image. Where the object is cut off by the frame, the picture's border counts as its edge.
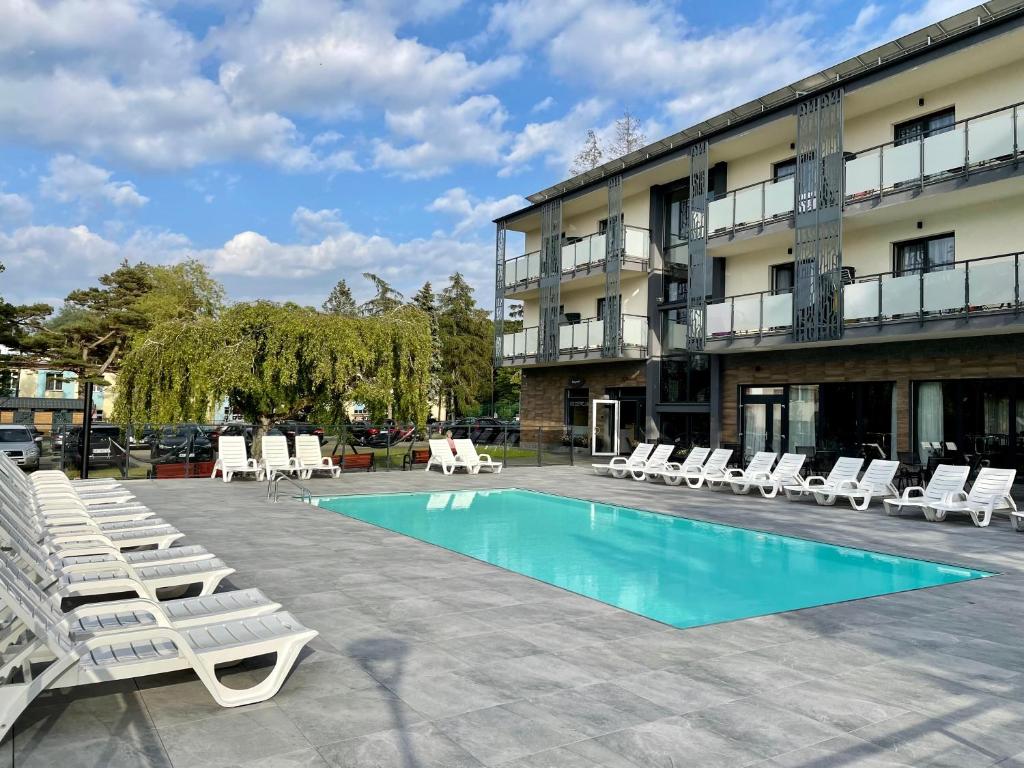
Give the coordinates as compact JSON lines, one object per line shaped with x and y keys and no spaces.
{"x":550,"y":279}
{"x":904,"y":439}
{"x":499,"y":293}
{"x":699,"y":267}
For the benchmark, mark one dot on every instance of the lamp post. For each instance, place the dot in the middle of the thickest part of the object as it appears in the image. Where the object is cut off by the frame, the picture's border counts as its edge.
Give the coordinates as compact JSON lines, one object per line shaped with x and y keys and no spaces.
{"x":86,"y":427}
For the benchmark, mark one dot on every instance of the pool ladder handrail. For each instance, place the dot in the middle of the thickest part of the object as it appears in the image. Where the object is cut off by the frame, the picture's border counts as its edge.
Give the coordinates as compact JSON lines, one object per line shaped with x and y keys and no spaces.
{"x":273,"y":490}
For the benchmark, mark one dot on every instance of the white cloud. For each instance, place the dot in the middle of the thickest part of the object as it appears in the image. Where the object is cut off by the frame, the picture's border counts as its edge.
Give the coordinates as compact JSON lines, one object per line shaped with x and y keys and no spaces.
{"x":14,"y":208}
{"x":470,"y":213}
{"x":543,"y":105}
{"x":929,"y":12}
{"x":556,"y":140}
{"x":74,"y":180}
{"x":440,"y":138}
{"x":312,"y":224}
{"x":528,"y":22}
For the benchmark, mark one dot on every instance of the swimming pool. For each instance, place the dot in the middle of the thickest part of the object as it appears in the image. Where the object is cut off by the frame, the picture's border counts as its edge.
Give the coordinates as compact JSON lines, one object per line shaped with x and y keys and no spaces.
{"x":678,"y":571}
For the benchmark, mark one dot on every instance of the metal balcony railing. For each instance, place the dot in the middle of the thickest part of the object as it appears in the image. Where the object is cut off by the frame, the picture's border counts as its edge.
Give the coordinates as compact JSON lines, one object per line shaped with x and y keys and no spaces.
{"x":583,"y":253}
{"x":584,"y":336}
{"x":752,"y":205}
{"x":991,"y":284}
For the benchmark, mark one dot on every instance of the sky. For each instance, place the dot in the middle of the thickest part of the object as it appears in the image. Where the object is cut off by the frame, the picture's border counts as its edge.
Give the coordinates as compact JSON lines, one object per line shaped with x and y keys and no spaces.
{"x":290,"y":143}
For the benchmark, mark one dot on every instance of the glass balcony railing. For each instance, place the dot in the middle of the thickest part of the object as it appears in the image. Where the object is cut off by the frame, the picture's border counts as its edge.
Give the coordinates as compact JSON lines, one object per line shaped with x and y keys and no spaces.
{"x":984,"y":140}
{"x":749,"y":206}
{"x":580,"y":254}
{"x":584,"y":336}
{"x":988,"y":285}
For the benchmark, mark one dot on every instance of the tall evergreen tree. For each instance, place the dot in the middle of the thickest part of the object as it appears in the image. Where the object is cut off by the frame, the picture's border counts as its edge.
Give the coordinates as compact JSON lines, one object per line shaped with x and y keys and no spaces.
{"x":340,"y":302}
{"x":467,"y":345}
{"x":386,"y":300}
{"x":426,"y":301}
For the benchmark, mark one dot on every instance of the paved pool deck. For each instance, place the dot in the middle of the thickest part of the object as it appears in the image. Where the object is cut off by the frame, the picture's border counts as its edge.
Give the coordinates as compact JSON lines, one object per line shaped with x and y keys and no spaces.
{"x":427,"y":658}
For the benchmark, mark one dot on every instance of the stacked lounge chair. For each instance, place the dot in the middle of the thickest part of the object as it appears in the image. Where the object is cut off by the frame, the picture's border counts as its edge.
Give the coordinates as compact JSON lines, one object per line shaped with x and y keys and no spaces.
{"x":673,"y":473}
{"x":619,"y":466}
{"x":62,"y":540}
{"x":786,"y":472}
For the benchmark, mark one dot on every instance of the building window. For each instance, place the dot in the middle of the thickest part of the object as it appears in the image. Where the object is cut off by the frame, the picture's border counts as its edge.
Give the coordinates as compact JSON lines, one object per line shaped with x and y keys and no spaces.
{"x":782,"y":278}
{"x":923,"y":127}
{"x":686,"y":430}
{"x":600,"y":306}
{"x":602,"y":225}
{"x":674,"y":288}
{"x":673,"y":330}
{"x":927,"y":254}
{"x":54,"y":382}
{"x":577,"y":411}
{"x":677,"y":219}
{"x":784,"y":169}
{"x":686,"y":379}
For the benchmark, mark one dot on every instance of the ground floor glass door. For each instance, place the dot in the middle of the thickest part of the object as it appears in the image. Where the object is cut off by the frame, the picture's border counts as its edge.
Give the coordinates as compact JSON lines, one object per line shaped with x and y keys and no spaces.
{"x":604,"y":435}
{"x":764,"y":420}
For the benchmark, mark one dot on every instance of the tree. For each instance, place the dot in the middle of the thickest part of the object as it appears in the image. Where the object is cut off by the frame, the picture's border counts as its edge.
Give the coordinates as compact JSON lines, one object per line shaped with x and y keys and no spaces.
{"x":179,"y":292}
{"x":426,"y":301}
{"x":589,"y":157}
{"x":18,"y":324}
{"x":467,"y":345}
{"x":340,"y":302}
{"x":277,"y":362}
{"x":386,"y":300}
{"x":628,"y":136}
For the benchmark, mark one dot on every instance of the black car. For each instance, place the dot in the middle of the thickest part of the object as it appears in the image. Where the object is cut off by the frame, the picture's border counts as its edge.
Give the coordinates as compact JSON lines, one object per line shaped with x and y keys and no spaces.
{"x":106,"y":446}
{"x":233,"y":429}
{"x":180,"y":442}
{"x":292,"y":428}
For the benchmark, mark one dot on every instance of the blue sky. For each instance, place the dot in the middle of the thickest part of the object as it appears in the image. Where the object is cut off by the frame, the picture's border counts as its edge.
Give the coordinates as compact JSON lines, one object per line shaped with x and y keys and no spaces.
{"x":288,"y":144}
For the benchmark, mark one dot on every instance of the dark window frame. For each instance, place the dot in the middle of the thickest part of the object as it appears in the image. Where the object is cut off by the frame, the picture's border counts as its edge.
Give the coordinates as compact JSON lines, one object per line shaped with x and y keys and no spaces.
{"x":782,"y":267}
{"x":917,"y":128}
{"x":787,"y":163}
{"x":899,"y":270}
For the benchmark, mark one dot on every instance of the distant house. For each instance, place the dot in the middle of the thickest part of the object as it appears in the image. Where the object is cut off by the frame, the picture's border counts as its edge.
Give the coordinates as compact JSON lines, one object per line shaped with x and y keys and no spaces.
{"x":47,"y":398}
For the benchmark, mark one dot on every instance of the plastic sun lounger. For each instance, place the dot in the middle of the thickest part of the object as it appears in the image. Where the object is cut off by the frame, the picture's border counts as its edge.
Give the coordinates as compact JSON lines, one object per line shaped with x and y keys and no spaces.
{"x":846,"y":468}
{"x":673,"y":472}
{"x":714,"y":468}
{"x":759,"y":467}
{"x":875,"y":483}
{"x":657,"y":461}
{"x":308,"y":458}
{"x":990,"y":491}
{"x":233,"y":459}
{"x":276,"y":458}
{"x":786,"y":472}
{"x":947,"y":480}
{"x":119,"y":654}
{"x":465,"y":450}
{"x":619,"y":466}
{"x":441,"y":455}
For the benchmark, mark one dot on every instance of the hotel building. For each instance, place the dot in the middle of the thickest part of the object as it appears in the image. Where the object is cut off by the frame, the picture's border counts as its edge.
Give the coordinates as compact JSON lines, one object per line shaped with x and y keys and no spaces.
{"x":834,"y":267}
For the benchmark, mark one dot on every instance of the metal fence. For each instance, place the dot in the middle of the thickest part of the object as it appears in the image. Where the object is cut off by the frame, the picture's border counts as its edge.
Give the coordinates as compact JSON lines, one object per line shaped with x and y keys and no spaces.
{"x":190,"y":450}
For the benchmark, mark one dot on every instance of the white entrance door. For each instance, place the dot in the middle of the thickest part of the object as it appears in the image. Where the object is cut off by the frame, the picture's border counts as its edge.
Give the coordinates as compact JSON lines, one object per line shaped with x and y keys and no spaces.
{"x":604,"y":435}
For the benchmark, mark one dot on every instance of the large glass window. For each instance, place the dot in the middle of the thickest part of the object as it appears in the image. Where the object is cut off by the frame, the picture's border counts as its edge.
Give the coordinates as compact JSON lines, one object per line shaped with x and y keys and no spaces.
{"x":577,"y":411}
{"x":673,"y":330}
{"x":926,"y":254}
{"x":677,"y":217}
{"x":782,"y":278}
{"x":925,"y":126}
{"x":685,"y":429}
{"x":674,"y":284}
{"x":686,"y":379}
{"x":54,"y":382}
{"x":784,"y":169}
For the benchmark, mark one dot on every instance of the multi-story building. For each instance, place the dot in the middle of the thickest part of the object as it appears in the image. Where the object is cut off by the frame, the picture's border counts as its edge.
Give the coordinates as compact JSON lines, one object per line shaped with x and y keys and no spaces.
{"x":832,"y":267}
{"x":47,"y":398}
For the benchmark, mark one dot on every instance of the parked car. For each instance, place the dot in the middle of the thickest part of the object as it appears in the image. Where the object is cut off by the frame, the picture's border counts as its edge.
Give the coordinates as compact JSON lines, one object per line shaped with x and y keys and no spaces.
{"x":18,"y":442}
{"x":143,"y":436}
{"x":179,"y":442}
{"x":106,"y":446}
{"x":232,"y":429}
{"x":292,"y":428}
{"x":57,"y":437}
{"x":479,"y":429}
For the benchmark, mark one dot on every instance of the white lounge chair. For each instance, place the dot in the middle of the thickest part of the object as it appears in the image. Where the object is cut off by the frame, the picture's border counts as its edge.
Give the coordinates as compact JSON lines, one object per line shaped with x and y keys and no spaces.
{"x":233,"y":459}
{"x":308,"y":458}
{"x":673,"y":472}
{"x":759,"y":468}
{"x":875,"y":483}
{"x":847,"y":468}
{"x":618,"y":466}
{"x":948,"y":479}
{"x":786,"y":472}
{"x":465,"y":450}
{"x":658,"y":460}
{"x":713,"y":468}
{"x":441,"y":455}
{"x":990,"y":491}
{"x":275,"y":456}
{"x":119,"y":654}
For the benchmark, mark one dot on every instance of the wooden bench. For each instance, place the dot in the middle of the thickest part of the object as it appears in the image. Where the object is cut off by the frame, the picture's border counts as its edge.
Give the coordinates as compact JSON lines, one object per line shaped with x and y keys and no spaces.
{"x":174,"y":471}
{"x":415,"y":456}
{"x":355,"y":461}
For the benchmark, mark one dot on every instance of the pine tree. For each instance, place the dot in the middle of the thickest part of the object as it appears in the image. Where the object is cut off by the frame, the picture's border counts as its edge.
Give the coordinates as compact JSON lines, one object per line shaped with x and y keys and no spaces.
{"x":340,"y":302}
{"x":426,"y":301}
{"x":467,"y":345}
{"x":589,"y":157}
{"x":386,"y":300}
{"x":628,"y":136}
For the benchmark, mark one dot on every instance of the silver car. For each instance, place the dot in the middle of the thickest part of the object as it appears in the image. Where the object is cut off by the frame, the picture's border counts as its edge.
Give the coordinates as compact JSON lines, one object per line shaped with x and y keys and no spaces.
{"x":17,"y":442}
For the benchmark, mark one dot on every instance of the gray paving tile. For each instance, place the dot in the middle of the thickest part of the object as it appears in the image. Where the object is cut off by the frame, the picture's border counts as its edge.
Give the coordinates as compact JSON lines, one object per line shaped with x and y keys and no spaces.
{"x":422,"y":746}
{"x":592,"y":710}
{"x":500,"y":734}
{"x":241,"y":735}
{"x":303,"y":758}
{"x":831,"y":702}
{"x":925,"y":741}
{"x":750,"y":672}
{"x":140,"y":749}
{"x":491,"y":646}
{"x":840,"y":752}
{"x":672,"y":743}
{"x":681,"y":689}
{"x":351,"y":713}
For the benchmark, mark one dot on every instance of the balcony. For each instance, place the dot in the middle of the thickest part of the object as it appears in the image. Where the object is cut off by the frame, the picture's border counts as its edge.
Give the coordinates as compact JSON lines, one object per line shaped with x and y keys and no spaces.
{"x":584,"y":255}
{"x":981,"y":143}
{"x":576,"y":341}
{"x":971,"y":296}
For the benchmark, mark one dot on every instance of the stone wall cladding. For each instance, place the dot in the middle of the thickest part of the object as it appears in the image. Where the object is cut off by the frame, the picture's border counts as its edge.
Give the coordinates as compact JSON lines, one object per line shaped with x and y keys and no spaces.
{"x":543,"y":389}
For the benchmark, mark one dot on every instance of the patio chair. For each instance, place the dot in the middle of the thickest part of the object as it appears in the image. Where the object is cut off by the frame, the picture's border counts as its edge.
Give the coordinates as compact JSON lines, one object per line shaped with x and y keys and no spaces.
{"x":275,"y":457}
{"x":674,"y":472}
{"x":786,"y":472}
{"x":233,"y":459}
{"x":442,"y":456}
{"x":122,"y":654}
{"x":713,"y":468}
{"x":658,"y":459}
{"x":759,"y":467}
{"x":990,"y":491}
{"x":308,"y":458}
{"x":948,"y":479}
{"x":876,"y":482}
{"x":618,"y":466}
{"x":846,"y":468}
{"x":465,"y":450}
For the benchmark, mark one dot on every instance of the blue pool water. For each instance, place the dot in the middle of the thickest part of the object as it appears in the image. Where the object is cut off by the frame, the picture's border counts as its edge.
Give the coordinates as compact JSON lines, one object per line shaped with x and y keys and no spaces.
{"x":678,"y":571}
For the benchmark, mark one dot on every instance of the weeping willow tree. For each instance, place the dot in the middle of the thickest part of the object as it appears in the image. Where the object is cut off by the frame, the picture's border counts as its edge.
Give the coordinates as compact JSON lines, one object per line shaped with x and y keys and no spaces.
{"x":276,"y":362}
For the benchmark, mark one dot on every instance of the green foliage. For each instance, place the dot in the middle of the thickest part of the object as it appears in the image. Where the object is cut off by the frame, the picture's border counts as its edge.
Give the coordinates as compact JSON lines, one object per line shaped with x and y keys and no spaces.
{"x":340,"y":302}
{"x":276,"y":362}
{"x":467,"y":345}
{"x":180,"y":292}
{"x":386,"y":300}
